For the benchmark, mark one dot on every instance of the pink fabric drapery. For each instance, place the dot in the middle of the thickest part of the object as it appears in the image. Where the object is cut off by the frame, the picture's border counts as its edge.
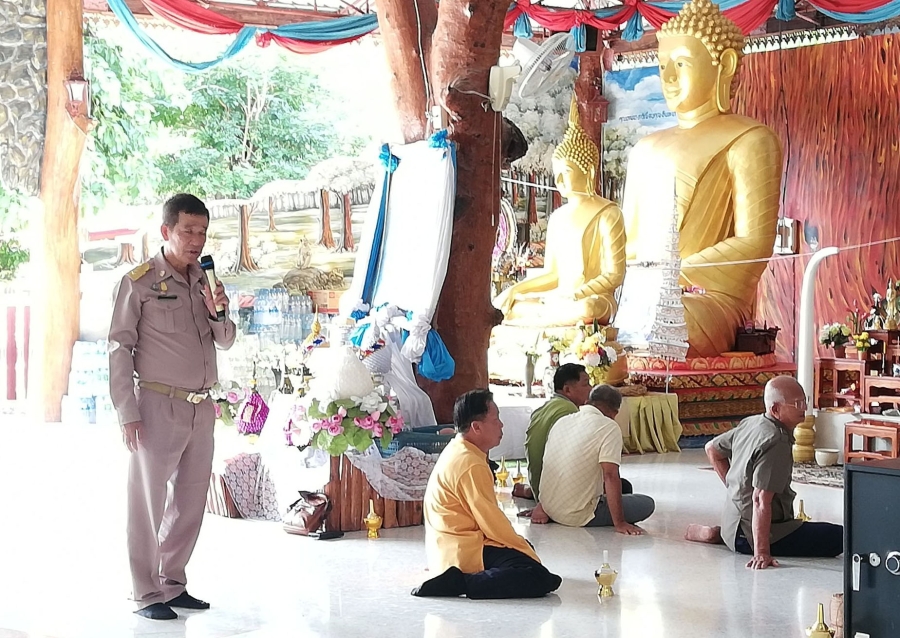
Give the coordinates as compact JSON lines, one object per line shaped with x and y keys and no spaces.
{"x":193,"y":17}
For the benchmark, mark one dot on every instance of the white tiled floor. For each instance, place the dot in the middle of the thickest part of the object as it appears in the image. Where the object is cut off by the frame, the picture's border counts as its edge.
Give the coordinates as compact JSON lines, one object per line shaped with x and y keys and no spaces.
{"x":63,"y":572}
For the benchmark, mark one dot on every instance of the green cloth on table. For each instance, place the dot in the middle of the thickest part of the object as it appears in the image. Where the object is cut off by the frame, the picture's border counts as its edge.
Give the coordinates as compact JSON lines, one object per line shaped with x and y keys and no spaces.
{"x":542,"y":420}
{"x":653,"y":423}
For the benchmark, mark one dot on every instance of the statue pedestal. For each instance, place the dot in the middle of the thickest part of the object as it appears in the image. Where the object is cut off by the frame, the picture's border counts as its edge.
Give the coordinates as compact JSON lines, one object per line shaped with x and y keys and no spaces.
{"x":714,"y":393}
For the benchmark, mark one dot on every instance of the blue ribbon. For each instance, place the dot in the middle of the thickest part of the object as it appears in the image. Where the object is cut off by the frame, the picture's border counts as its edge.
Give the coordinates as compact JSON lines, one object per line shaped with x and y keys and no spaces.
{"x":126,"y":17}
{"x":436,"y":363}
{"x":785,"y":10}
{"x":522,"y":27}
{"x":579,"y":38}
{"x":390,"y":163}
{"x":634,"y":28}
{"x":335,"y":29}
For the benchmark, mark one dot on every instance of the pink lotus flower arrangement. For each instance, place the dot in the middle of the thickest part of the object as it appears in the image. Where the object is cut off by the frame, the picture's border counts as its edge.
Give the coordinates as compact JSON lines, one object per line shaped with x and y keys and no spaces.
{"x":227,"y":400}
{"x":344,"y":424}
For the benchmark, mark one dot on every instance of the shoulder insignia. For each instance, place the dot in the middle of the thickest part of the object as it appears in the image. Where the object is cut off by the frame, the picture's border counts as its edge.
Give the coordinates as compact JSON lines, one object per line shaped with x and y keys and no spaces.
{"x":139,"y":271}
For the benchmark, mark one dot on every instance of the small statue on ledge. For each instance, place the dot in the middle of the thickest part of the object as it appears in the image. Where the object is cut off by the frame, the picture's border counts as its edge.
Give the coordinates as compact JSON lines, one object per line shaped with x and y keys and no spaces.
{"x":891,"y":312}
{"x":584,"y":262}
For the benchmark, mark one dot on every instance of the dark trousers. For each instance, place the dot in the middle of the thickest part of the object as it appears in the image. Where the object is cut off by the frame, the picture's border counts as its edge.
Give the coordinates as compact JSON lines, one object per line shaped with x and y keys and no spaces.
{"x":810,"y":540}
{"x":508,"y":573}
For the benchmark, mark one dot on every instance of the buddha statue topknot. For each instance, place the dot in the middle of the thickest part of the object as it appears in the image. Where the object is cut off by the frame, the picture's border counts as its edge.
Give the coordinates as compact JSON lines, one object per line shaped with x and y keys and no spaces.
{"x":584,"y":260}
{"x":726,"y":171}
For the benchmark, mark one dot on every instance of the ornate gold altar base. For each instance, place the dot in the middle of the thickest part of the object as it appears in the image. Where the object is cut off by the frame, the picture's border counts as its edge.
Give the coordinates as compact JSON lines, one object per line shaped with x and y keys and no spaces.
{"x":712,"y":398}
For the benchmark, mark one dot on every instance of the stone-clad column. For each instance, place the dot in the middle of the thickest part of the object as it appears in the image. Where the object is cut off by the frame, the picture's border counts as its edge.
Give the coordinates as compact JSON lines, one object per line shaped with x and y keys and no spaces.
{"x":23,"y":92}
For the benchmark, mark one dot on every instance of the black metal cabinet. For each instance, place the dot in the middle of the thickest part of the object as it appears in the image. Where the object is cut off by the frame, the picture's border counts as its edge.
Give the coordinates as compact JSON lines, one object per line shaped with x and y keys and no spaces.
{"x":872,"y":549}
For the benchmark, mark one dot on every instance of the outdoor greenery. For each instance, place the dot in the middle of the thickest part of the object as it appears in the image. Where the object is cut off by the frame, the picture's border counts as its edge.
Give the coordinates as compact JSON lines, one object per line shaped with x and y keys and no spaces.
{"x":223,"y":133}
{"x":13,"y":217}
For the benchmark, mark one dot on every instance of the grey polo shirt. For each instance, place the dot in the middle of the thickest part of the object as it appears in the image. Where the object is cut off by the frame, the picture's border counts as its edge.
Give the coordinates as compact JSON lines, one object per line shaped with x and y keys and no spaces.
{"x":759,"y":450}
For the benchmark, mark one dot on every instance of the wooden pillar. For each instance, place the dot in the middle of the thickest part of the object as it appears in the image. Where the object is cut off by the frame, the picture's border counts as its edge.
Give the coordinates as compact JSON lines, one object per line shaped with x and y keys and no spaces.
{"x":245,"y":258}
{"x":57,"y":258}
{"x":592,"y":106}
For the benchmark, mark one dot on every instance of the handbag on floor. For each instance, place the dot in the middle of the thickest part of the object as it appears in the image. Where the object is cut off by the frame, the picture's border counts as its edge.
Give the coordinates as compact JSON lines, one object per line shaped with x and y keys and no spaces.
{"x":307,"y":513}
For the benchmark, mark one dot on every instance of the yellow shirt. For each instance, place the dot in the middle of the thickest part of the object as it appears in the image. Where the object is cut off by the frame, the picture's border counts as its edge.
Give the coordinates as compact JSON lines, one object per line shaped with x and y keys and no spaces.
{"x":461,"y":512}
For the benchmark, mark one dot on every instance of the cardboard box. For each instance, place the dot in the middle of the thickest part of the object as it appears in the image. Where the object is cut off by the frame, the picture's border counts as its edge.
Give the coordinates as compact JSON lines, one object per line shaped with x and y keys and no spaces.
{"x":327,"y":301}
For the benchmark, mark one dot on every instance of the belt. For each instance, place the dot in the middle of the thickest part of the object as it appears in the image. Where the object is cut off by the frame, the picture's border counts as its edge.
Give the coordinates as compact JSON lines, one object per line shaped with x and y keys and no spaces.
{"x":162,"y":388}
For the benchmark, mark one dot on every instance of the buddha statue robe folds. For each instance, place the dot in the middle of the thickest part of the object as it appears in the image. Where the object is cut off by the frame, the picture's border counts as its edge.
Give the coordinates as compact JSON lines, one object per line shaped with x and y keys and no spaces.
{"x":584,"y":260}
{"x":727,"y":174}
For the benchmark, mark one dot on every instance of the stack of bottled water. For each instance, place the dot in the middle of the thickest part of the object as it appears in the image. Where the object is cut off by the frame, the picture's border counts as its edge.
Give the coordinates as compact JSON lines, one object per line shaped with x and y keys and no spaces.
{"x":298,"y":319}
{"x":88,"y":393}
{"x":266,"y":319}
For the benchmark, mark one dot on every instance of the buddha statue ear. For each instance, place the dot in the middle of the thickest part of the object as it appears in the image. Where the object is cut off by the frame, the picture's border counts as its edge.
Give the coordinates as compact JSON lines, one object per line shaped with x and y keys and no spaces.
{"x":592,"y":181}
{"x":728,"y":64}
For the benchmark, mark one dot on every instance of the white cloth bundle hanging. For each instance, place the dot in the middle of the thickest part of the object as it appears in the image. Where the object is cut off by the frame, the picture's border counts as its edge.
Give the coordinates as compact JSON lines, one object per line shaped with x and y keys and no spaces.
{"x":402,"y":261}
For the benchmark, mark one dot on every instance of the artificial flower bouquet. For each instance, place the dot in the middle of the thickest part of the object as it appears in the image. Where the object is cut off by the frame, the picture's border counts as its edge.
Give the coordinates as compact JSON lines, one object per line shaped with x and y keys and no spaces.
{"x":834,"y":335}
{"x":343,"y":410}
{"x":594,"y":354}
{"x":227,"y":398}
{"x":862,"y":341}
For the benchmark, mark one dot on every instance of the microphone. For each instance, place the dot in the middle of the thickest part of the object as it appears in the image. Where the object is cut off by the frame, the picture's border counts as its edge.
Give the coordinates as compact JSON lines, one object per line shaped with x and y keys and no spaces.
{"x":206,"y":265}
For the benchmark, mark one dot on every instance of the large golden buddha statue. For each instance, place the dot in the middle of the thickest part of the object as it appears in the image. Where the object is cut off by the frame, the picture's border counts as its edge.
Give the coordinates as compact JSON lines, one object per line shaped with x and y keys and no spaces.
{"x":727,"y":174}
{"x":584,"y":259}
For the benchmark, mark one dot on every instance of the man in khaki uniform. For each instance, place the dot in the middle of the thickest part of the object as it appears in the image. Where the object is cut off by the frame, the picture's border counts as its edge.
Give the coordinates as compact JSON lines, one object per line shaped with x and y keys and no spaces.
{"x":162,"y":363}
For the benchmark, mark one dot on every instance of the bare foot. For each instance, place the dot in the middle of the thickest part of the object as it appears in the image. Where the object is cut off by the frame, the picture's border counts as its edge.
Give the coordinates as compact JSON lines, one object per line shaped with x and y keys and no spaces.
{"x":539,"y":516}
{"x":704,"y":534}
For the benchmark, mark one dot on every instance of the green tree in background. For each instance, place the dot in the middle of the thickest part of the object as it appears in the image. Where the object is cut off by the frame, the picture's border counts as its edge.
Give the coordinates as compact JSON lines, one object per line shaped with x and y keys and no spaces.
{"x":248,"y":125}
{"x":127,"y":99}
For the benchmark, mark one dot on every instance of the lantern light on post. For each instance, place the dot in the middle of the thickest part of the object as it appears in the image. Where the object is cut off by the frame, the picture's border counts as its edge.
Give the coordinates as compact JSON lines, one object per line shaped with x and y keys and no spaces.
{"x":79,"y":96}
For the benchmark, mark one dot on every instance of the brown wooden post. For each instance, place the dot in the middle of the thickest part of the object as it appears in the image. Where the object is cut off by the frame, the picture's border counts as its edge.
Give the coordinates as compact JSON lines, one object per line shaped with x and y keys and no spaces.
{"x":592,"y":106}
{"x":57,"y":257}
{"x":532,"y":199}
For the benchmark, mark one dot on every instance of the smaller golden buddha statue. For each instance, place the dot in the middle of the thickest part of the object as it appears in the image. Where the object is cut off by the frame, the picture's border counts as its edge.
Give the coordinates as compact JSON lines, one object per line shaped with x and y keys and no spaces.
{"x":584,"y":260}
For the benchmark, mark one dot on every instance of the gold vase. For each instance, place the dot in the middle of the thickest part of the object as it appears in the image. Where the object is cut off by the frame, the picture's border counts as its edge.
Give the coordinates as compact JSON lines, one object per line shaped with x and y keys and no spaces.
{"x":372,"y":521}
{"x":820,"y":629}
{"x":605,"y":577}
{"x":502,"y":473}
{"x":804,"y":450}
{"x":802,"y":515}
{"x":518,"y":477}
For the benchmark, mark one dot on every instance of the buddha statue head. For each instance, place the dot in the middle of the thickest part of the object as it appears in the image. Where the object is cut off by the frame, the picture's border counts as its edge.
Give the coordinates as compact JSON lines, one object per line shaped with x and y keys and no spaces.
{"x":576,"y":159}
{"x":700,"y":51}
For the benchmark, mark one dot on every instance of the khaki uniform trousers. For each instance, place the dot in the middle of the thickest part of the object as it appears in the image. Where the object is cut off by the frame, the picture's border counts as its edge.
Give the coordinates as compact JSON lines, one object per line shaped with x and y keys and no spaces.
{"x":168,"y":478}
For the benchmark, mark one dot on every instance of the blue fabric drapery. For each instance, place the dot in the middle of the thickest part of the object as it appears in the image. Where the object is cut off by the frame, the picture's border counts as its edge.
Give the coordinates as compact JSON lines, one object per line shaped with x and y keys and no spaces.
{"x":390,"y":163}
{"x":634,"y":28}
{"x":126,"y":17}
{"x":436,"y":363}
{"x":785,"y":10}
{"x":327,"y":30}
{"x":578,"y":42}
{"x":522,"y":27}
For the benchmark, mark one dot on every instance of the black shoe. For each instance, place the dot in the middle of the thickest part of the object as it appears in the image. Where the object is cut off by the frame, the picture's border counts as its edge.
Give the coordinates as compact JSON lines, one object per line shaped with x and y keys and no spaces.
{"x":157,"y":611}
{"x":449,"y":584}
{"x":186,"y":601}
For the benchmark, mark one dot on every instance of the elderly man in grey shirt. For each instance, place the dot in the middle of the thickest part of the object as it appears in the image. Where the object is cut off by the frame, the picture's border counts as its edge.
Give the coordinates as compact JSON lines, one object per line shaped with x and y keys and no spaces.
{"x":754,"y":462}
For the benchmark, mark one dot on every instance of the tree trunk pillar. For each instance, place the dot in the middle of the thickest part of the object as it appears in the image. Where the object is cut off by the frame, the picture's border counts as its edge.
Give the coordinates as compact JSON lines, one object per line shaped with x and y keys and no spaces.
{"x":245,"y":259}
{"x":57,"y":257}
{"x":592,"y":106}
{"x":326,"y":237}
{"x":347,"y":226}
{"x":272,"y":227}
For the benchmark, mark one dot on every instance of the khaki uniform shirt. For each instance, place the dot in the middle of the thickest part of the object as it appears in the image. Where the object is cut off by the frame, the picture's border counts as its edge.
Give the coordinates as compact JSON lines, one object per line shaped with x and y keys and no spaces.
{"x":161,"y":332}
{"x":759,"y":450}
{"x":461,"y":512}
{"x":572,"y":477}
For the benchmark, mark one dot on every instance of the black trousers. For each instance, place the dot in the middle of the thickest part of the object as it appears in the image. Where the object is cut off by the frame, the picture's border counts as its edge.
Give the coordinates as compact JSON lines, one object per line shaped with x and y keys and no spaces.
{"x":810,"y":540}
{"x":508,"y":573}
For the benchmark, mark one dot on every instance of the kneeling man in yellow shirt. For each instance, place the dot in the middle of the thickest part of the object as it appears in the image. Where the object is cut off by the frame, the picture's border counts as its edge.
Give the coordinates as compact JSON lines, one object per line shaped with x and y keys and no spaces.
{"x":469,"y":541}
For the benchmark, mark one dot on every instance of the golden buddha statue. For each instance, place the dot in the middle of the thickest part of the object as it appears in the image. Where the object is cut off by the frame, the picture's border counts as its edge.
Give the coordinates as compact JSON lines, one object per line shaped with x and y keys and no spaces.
{"x":727,"y":174}
{"x":584,"y":259}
